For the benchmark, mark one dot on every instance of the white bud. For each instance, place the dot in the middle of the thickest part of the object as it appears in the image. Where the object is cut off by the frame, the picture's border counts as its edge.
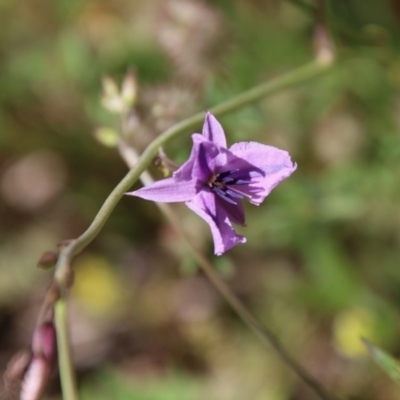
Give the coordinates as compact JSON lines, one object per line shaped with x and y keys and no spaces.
{"x":129,"y":89}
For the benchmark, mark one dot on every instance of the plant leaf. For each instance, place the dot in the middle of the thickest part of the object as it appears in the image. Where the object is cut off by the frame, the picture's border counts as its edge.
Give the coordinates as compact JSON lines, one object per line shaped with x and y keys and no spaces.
{"x":389,"y":364}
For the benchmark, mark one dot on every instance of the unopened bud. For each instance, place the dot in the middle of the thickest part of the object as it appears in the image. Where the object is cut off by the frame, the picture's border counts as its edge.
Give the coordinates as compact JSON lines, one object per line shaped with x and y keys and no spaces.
{"x":129,"y":89}
{"x":44,"y":350}
{"x":111,"y":97}
{"x":36,"y":379}
{"x":44,"y":342}
{"x":48,"y":260}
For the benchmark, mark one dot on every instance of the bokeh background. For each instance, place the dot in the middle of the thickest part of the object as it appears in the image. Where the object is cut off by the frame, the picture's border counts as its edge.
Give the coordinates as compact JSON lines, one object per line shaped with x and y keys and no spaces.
{"x":321,"y":265}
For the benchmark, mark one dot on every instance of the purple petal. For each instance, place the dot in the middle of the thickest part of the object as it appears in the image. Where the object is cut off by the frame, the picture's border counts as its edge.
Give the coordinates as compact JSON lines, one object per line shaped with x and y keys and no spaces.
{"x":201,"y":162}
{"x":217,"y":157}
{"x":274,"y":163}
{"x":205,"y":205}
{"x":208,"y":158}
{"x":235,"y":212}
{"x":213,"y":131}
{"x":184,"y":173}
{"x":204,"y":163}
{"x":167,"y":191}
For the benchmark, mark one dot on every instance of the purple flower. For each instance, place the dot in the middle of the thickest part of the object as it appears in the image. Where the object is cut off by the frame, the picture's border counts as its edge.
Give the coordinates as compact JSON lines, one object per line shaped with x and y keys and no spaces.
{"x":215,"y":179}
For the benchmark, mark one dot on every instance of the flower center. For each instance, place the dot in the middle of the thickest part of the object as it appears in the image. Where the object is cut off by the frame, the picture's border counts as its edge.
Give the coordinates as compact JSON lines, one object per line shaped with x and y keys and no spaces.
{"x":221,"y":185}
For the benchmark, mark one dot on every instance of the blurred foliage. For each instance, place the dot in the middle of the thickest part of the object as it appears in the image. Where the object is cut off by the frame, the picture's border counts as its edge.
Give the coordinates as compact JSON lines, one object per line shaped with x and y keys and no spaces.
{"x":321,"y":264}
{"x":387,"y":362}
{"x":109,"y":385}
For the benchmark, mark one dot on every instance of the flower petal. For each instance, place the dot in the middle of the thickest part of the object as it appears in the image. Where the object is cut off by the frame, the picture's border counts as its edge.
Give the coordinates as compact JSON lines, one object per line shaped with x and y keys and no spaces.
{"x":225,"y":237}
{"x":211,"y":158}
{"x":235,"y":212}
{"x":184,"y":173}
{"x":167,"y":191}
{"x":204,"y":163}
{"x":201,"y":163}
{"x":275,"y":165}
{"x":213,"y":131}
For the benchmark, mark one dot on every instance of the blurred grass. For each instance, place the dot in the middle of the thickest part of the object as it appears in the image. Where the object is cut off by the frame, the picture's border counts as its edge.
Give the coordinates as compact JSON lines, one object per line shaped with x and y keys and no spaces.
{"x":323,"y":246}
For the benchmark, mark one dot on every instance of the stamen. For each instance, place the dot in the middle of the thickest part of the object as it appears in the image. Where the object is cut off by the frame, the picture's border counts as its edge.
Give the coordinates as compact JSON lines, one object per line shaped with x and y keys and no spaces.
{"x":239,"y":192}
{"x":223,"y":195}
{"x":228,"y":180}
{"x":221,"y":184}
{"x":223,"y":175}
{"x":241,"y":182}
{"x":233,"y":194}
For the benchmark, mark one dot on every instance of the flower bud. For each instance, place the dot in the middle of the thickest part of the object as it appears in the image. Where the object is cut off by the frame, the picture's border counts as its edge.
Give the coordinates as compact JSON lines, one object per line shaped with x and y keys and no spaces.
{"x":44,"y":342}
{"x":129,"y":89}
{"x":48,"y":260}
{"x":44,"y":349}
{"x":35,"y":380}
{"x":111,"y":97}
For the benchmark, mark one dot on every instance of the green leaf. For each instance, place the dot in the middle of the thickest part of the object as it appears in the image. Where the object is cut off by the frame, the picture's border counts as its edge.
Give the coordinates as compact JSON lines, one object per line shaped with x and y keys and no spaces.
{"x":389,"y":364}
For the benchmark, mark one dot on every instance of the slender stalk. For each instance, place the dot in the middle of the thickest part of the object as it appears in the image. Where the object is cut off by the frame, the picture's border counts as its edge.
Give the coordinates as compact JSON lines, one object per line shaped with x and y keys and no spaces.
{"x":265,"y":334}
{"x":67,"y":376}
{"x":75,"y":246}
{"x":294,"y":77}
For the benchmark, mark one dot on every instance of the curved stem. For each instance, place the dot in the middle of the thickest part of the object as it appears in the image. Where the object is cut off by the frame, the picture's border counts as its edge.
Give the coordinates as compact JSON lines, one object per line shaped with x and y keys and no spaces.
{"x":63,"y":269}
{"x":266,"y":335}
{"x":297,"y":76}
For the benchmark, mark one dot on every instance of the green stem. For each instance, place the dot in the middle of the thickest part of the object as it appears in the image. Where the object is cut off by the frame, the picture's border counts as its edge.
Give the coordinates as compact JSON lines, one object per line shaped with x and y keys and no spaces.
{"x":67,"y":375}
{"x":297,"y":76}
{"x":75,"y":246}
{"x":266,"y":335}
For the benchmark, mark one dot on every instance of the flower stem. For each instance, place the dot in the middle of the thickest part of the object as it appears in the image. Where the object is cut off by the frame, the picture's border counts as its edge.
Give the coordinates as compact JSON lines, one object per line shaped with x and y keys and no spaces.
{"x":297,"y":76}
{"x":265,"y":334}
{"x":63,"y":269}
{"x":67,"y":375}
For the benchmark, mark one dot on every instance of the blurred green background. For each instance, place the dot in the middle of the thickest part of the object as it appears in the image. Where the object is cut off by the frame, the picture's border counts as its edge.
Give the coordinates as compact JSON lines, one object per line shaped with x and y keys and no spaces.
{"x":321,"y":265}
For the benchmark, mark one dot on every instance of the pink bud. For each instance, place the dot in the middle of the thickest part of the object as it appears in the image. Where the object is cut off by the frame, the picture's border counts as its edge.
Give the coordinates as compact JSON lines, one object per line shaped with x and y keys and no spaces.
{"x":44,"y":342}
{"x":44,"y":349}
{"x":35,"y":379}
